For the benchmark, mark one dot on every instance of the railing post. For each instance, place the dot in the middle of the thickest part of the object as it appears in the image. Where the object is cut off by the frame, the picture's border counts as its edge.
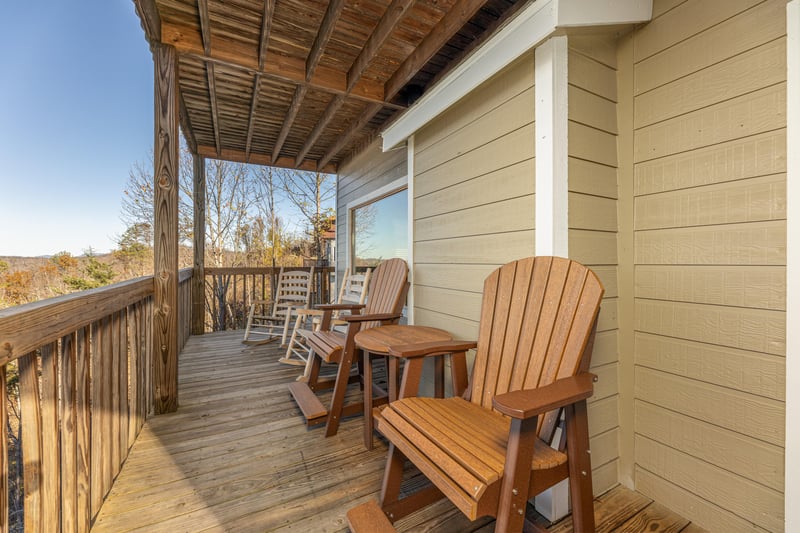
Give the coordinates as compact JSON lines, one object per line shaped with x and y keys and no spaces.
{"x":199,"y":276}
{"x":165,"y":338}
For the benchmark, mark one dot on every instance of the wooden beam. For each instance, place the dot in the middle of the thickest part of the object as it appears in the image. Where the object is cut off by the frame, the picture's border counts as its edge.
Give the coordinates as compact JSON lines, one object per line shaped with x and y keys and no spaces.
{"x":288,"y":120}
{"x":199,"y":248}
{"x":266,"y":28}
{"x":205,"y":25}
{"x":186,"y":126}
{"x":212,"y":97}
{"x":239,"y":156}
{"x":448,"y":26}
{"x":165,"y":314}
{"x":323,"y":36}
{"x":188,"y":41}
{"x":322,"y":123}
{"x":151,"y":20}
{"x":251,"y":123}
{"x":394,"y":13}
{"x":363,"y":120}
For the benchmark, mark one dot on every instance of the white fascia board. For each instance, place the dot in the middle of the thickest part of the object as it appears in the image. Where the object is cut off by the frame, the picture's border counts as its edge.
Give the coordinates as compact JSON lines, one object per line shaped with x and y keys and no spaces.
{"x":535,"y":23}
{"x":573,"y":13}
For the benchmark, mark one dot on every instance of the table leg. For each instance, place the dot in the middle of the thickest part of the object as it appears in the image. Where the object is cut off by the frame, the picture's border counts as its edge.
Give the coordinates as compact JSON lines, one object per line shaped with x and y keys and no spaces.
{"x":393,"y":376}
{"x":458,"y":371}
{"x":368,"y":422}
{"x":412,"y":373}
{"x":438,"y":376}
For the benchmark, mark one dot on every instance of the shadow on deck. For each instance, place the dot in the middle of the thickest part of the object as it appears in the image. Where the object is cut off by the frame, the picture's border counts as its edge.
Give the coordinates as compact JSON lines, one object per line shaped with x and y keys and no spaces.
{"x":237,"y":456}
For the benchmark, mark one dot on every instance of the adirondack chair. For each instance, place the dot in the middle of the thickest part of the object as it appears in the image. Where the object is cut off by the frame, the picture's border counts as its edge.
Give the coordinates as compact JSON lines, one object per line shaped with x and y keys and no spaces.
{"x":490,"y":450}
{"x":388,"y":287}
{"x":353,"y":290}
{"x":292,"y":292}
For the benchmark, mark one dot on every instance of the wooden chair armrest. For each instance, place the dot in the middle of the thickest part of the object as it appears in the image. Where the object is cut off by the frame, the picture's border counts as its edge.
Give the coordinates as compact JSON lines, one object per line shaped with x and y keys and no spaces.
{"x":529,"y":403}
{"x":340,"y":307}
{"x":377,"y":317}
{"x":425,"y":349}
{"x":304,"y":311}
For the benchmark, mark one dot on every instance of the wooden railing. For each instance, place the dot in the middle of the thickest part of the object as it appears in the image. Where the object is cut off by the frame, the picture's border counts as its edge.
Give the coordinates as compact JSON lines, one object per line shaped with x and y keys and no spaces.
{"x":229,"y":292}
{"x":80,"y":388}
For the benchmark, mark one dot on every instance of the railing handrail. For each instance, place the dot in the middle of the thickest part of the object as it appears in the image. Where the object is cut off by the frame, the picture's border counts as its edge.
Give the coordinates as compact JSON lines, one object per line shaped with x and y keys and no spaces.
{"x":227,"y":271}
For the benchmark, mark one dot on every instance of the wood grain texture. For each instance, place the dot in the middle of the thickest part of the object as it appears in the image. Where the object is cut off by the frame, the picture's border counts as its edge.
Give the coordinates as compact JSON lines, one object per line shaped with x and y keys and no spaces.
{"x":165,"y":364}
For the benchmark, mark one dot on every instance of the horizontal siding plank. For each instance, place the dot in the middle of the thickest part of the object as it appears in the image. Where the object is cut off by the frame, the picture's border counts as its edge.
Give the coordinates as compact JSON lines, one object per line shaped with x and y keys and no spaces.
{"x":592,"y":212}
{"x":456,"y":277}
{"x":592,"y":110}
{"x":460,"y":328}
{"x":506,"y":182}
{"x":750,"y":114}
{"x":592,"y":76}
{"x":702,"y":513}
{"x":746,"y":371}
{"x":607,"y":383}
{"x":510,"y":83}
{"x":752,"y":200}
{"x":752,"y":28}
{"x":758,"y":155}
{"x":603,"y":415}
{"x":755,"y":243}
{"x":757,"y":330}
{"x":607,"y":319}
{"x":750,"y":458}
{"x":507,"y":157}
{"x":608,"y":277}
{"x":604,"y":447}
{"x":683,"y":22}
{"x":480,"y":249}
{"x":593,"y":247}
{"x":662,"y":6}
{"x":765,"y":66}
{"x":515,"y":214}
{"x":737,"y":411}
{"x":749,"y":500}
{"x":601,"y":47}
{"x":761,"y":287}
{"x":592,"y":144}
{"x":588,"y":177}
{"x":604,"y":477}
{"x":605,"y":347}
{"x":512,"y":115}
{"x":460,"y":304}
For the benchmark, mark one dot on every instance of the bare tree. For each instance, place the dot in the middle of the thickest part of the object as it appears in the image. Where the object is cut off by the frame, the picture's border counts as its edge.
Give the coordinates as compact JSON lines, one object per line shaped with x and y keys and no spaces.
{"x":309,"y":192}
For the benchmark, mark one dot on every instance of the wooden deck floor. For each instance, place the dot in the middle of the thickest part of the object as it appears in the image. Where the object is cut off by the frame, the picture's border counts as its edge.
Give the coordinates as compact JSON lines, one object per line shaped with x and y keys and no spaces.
{"x":236,"y":456}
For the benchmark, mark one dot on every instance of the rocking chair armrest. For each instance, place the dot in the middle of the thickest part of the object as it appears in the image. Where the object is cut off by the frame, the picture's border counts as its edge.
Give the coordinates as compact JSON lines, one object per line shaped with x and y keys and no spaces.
{"x":376,"y":317}
{"x":426,"y":349}
{"x":529,"y":403}
{"x":262,"y":302}
{"x":340,"y":307}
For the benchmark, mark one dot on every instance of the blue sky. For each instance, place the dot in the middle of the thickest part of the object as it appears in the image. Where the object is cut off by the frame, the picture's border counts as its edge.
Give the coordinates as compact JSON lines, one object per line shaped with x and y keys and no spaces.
{"x":76,"y":112}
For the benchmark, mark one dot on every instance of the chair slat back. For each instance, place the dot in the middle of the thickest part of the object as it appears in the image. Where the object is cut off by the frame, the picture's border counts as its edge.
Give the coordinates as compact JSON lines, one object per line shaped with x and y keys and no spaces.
{"x":537,"y":320}
{"x":388,"y":286}
{"x":294,"y":288}
{"x":354,"y":289}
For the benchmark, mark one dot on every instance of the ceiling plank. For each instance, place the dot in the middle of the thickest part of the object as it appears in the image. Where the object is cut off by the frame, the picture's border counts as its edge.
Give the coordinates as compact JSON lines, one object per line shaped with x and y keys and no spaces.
{"x":188,"y":41}
{"x":393,"y":15}
{"x":322,"y":123}
{"x":363,"y":120}
{"x":453,"y":21}
{"x":252,"y":120}
{"x":294,"y":107}
{"x":239,"y":156}
{"x":266,"y":26}
{"x":212,"y":97}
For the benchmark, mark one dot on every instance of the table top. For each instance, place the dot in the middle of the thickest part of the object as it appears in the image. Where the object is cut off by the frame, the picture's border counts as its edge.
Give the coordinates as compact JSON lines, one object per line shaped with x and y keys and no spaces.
{"x":378,"y":340}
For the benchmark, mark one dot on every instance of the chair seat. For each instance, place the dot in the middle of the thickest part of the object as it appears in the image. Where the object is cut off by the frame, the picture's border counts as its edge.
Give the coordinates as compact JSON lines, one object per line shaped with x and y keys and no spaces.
{"x":464,"y":457}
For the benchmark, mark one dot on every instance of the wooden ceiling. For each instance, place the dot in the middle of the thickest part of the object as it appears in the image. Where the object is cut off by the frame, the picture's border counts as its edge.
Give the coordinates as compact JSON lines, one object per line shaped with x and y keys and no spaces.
{"x":306,"y":83}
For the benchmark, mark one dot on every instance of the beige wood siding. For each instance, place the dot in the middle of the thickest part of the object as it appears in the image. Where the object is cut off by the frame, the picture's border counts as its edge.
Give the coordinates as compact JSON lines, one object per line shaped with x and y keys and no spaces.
{"x":473,"y":197}
{"x":709,"y":247}
{"x":593,"y":223}
{"x":366,"y":173}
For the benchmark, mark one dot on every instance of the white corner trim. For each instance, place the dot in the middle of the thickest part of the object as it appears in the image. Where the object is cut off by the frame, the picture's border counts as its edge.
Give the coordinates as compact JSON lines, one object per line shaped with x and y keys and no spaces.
{"x":410,"y":253}
{"x":792,"y":449}
{"x":551,"y":76}
{"x":535,"y":23}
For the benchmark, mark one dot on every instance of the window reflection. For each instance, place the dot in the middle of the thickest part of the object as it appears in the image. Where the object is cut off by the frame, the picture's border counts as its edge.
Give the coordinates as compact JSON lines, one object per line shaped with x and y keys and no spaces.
{"x":380,"y":230}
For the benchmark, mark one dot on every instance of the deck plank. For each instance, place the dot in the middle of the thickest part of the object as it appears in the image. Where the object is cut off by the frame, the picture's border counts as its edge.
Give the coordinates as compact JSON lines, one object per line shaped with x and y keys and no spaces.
{"x":237,"y":456}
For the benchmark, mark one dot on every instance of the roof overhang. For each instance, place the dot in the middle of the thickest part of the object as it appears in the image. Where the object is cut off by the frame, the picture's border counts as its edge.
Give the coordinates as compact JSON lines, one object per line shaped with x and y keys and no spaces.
{"x":532,"y":26}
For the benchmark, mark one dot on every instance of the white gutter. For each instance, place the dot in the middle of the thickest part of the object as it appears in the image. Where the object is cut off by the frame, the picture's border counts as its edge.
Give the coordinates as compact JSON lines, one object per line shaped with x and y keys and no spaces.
{"x":534,"y":24}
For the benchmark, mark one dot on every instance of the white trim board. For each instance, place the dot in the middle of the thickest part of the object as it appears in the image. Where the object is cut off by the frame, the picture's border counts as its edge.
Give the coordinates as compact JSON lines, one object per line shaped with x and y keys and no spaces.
{"x":792,"y":449}
{"x":531,"y":26}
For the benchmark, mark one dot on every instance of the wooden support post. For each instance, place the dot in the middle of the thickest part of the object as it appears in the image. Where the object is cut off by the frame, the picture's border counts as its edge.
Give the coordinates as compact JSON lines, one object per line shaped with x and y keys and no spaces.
{"x":199,"y":274}
{"x":165,"y":314}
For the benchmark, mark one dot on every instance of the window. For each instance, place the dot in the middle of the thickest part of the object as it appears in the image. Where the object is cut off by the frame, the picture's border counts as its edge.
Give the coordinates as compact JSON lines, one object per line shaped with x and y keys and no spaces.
{"x":380,"y":230}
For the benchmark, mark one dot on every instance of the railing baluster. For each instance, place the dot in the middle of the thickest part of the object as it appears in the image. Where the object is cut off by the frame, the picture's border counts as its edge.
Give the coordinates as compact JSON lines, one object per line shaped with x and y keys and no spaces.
{"x":4,"y":487}
{"x":51,"y":467}
{"x":69,"y":435}
{"x":82,"y":428}
{"x":31,"y":421}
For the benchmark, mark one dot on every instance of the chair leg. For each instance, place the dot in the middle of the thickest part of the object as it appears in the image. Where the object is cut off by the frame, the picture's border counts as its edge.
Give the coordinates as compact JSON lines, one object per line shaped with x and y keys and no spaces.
{"x":516,"y":475}
{"x":392,"y":476}
{"x":339,"y":391}
{"x":249,"y":322}
{"x":580,"y":467}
